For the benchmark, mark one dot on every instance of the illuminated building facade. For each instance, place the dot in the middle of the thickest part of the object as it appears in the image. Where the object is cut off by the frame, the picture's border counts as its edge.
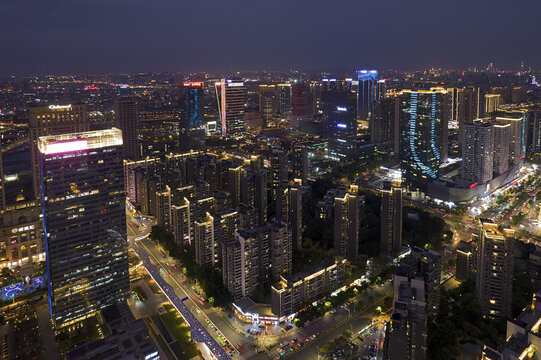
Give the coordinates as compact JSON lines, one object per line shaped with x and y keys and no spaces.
{"x":53,"y":119}
{"x":391,"y":218}
{"x":346,"y":223}
{"x":192,"y":106}
{"x":284,"y":91}
{"x":231,"y":96}
{"x":126,"y":119}
{"x":370,"y":90}
{"x":290,"y":293}
{"x":84,"y":218}
{"x":269,"y":103}
{"x":494,"y":277}
{"x":478,"y":152}
{"x":423,"y":134}
{"x":205,"y":246}
{"x":340,"y":107}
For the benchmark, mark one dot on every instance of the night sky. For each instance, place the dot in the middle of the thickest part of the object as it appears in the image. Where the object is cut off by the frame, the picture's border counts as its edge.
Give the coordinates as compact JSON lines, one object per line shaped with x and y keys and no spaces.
{"x":121,"y":36}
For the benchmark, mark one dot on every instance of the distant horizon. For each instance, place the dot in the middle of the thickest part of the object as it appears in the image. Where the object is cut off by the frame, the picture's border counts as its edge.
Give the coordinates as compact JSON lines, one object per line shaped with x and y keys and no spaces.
{"x":335,"y":70}
{"x":105,"y":37}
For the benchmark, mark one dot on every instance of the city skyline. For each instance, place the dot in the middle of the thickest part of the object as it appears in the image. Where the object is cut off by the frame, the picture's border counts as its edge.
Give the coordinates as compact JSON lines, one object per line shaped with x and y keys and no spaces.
{"x":138,"y":36}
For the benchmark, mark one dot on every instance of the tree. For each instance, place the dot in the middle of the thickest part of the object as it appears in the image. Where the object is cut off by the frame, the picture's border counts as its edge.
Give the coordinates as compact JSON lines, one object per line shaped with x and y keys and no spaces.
{"x":347,"y":333}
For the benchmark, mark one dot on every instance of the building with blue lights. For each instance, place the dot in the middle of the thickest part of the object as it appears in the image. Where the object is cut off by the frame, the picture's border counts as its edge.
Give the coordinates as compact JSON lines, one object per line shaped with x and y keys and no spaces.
{"x":192,"y":106}
{"x":423,"y":134}
{"x":340,"y":110}
{"x":84,"y":220}
{"x":370,"y":90}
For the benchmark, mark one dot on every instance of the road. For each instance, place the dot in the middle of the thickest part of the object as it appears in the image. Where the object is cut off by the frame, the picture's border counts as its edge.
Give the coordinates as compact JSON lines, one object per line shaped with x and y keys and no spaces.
{"x":198,"y":332}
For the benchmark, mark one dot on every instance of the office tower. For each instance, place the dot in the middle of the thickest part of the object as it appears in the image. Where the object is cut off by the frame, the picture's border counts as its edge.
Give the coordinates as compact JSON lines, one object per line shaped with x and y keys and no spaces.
{"x":279,"y":169}
{"x":291,"y":293}
{"x":465,"y":261}
{"x":534,"y":130}
{"x":126,"y":116}
{"x":502,"y":135}
{"x":231,"y":95}
{"x":299,"y":162}
{"x":269,"y":103}
{"x":406,"y":338}
{"x":84,"y":216}
{"x":465,"y":106}
{"x":368,"y":93}
{"x":346,"y":223}
{"x":284,"y":111}
{"x":478,"y":152}
{"x":281,"y":250}
{"x":343,"y":139}
{"x":492,"y":102}
{"x":53,"y":119}
{"x":391,"y":218}
{"x":205,"y":246}
{"x":299,"y":103}
{"x":192,"y":101}
{"x":494,"y":277}
{"x":181,"y":222}
{"x":240,"y":267}
{"x":234,"y":181}
{"x":295,"y":212}
{"x":382,"y":123}
{"x":517,"y":133}
{"x":423,"y":134}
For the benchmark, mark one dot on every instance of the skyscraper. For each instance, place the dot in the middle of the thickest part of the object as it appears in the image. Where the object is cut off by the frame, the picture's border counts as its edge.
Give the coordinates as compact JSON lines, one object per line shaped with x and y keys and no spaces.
{"x":494,"y":277}
{"x":517,"y":133}
{"x":391,"y":218}
{"x":299,"y":102}
{"x":299,"y":162}
{"x":382,"y":122}
{"x":231,"y":96}
{"x":492,"y":102}
{"x":126,"y":116}
{"x":84,"y":218}
{"x":269,"y":103}
{"x":205,"y":246}
{"x":369,"y":92}
{"x":279,"y":169}
{"x":478,"y":152}
{"x":281,"y":250}
{"x":192,"y":104}
{"x":346,"y":223}
{"x":285,"y":101}
{"x":240,"y":265}
{"x":502,"y":134}
{"x":423,"y":134}
{"x":53,"y":119}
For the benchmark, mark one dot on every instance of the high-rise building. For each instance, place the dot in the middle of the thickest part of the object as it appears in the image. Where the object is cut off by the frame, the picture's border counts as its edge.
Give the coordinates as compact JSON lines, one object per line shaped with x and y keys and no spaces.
{"x":279,"y":169}
{"x":254,"y":191}
{"x":163,"y":208}
{"x":492,"y":102}
{"x":299,"y":102}
{"x":131,"y":181}
{"x":478,"y":152}
{"x":285,"y":101}
{"x":535,"y":133}
{"x":502,"y":135}
{"x":465,"y":106}
{"x":299,"y":162}
{"x":225,"y":224}
{"x":346,"y":223}
{"x":343,"y":139}
{"x":83,"y":201}
{"x":126,"y":116}
{"x":494,"y":276}
{"x":231,"y":95}
{"x":234,"y":181}
{"x":423,"y":134}
{"x":369,"y":92}
{"x":205,"y":246}
{"x":517,"y":133}
{"x":383,"y":121}
{"x":192,"y":103}
{"x":181,"y":221}
{"x":269,"y":103}
{"x":391,"y":218}
{"x":281,"y":250}
{"x":295,"y":212}
{"x":240,"y":265}
{"x":53,"y":119}
{"x":465,"y":260}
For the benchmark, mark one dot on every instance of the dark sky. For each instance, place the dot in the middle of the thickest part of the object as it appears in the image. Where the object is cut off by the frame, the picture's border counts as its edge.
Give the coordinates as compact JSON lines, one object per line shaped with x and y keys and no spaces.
{"x":113,"y":36}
